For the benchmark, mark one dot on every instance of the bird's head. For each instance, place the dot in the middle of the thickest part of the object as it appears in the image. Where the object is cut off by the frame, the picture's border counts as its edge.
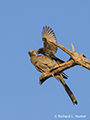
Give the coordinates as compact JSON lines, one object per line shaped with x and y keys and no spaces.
{"x":41,"y":50}
{"x":32,"y":53}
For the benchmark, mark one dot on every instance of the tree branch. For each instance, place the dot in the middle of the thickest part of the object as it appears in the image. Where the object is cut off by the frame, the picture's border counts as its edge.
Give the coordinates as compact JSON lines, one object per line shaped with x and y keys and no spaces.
{"x":76,"y":59}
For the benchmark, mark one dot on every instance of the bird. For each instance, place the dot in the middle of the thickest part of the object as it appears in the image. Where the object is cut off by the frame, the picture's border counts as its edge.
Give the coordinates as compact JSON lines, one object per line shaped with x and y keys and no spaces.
{"x":43,"y":64}
{"x":50,"y":48}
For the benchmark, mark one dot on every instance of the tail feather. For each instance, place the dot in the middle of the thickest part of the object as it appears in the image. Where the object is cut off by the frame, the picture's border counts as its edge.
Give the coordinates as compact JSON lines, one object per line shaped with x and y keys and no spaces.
{"x":59,"y":61}
{"x":64,"y":75}
{"x":67,"y":89}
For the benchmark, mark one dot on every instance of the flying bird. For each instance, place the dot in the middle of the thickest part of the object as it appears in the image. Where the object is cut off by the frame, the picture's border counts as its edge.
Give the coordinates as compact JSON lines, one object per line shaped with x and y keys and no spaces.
{"x":50,"y":48}
{"x":43,"y":64}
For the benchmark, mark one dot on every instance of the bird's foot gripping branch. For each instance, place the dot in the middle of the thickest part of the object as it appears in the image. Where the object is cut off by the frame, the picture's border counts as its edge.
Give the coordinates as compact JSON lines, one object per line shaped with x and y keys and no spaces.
{"x":75,"y":59}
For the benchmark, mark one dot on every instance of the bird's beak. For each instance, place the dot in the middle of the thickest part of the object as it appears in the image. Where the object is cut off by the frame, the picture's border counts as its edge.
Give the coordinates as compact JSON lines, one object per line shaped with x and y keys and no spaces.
{"x":29,"y":53}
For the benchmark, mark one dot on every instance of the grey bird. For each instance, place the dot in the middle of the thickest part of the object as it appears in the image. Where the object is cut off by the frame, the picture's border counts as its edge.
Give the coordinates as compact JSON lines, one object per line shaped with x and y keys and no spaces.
{"x":49,"y":48}
{"x":43,"y":64}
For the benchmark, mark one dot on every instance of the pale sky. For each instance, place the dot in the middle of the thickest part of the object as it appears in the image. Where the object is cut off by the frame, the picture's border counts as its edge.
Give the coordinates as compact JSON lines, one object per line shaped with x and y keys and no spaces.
{"x":21,"y":23}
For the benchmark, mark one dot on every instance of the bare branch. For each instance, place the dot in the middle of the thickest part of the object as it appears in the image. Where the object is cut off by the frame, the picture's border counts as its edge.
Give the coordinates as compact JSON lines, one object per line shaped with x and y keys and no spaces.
{"x":73,"y":50}
{"x":76,"y":59}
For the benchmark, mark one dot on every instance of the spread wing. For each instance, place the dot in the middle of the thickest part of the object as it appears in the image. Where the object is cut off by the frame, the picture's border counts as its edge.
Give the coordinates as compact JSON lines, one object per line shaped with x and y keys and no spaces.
{"x":48,"y":36}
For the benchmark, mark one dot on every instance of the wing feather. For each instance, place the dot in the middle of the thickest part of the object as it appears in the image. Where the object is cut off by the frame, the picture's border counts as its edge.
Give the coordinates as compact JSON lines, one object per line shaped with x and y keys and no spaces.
{"x":48,"y":36}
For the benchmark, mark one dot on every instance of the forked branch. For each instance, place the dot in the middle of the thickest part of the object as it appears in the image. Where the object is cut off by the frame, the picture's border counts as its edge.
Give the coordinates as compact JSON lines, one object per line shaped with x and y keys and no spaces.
{"x":75,"y":59}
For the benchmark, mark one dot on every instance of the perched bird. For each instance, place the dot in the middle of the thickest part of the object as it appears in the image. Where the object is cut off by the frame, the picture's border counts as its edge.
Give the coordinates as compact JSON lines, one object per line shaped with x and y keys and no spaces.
{"x":43,"y":64}
{"x":49,"y":48}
